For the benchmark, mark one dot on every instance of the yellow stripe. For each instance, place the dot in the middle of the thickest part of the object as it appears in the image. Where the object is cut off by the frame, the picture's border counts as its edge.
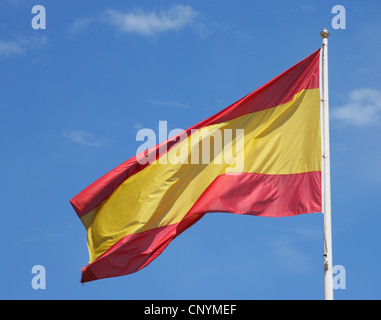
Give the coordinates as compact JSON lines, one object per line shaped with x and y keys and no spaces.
{"x":280,"y":140}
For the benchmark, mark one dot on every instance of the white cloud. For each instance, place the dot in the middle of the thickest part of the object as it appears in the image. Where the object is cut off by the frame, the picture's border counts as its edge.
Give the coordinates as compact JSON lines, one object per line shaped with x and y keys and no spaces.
{"x":84,"y":138}
{"x":151,"y":23}
{"x":14,"y":2}
{"x":308,"y":233}
{"x":10,"y":48}
{"x":80,"y":25}
{"x":289,"y":257}
{"x":137,"y":126}
{"x":174,"y":104}
{"x":364,"y":70}
{"x":362,"y":108}
{"x":20,"y":46}
{"x":309,"y":7}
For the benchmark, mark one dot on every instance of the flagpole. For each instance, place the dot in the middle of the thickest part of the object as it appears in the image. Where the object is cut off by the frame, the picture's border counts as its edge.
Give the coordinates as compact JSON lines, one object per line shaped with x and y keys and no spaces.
{"x":326,"y":179}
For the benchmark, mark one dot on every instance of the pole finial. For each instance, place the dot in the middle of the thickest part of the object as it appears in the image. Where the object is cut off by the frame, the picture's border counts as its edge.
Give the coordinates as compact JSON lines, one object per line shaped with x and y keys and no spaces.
{"x":324,"y":33}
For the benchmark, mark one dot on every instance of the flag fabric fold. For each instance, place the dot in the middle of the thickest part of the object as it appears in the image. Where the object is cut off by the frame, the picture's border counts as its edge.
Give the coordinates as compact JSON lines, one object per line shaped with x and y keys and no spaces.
{"x":268,"y":164}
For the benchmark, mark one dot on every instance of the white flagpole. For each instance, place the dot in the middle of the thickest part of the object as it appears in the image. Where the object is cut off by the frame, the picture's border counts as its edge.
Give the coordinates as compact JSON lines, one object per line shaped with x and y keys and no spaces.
{"x":326,"y":179}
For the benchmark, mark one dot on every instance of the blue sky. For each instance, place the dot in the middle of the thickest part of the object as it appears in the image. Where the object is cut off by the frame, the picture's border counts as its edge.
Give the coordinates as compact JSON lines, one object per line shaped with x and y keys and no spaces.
{"x":75,"y":94}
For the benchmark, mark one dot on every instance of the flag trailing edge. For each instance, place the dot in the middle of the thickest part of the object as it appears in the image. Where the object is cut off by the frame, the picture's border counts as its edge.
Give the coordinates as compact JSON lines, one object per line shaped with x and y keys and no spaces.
{"x":134,"y":211}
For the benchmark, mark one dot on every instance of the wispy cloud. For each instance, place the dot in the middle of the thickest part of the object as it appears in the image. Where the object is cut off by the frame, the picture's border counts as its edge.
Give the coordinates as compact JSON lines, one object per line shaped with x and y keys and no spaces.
{"x":84,"y":138}
{"x":10,"y":48}
{"x":14,"y":2}
{"x":174,"y":104}
{"x":289,"y":257}
{"x":20,"y":46}
{"x":309,"y":7}
{"x":151,"y":23}
{"x":364,"y":70}
{"x":137,"y":126}
{"x":308,"y":233}
{"x":362,"y":108}
{"x":80,"y":25}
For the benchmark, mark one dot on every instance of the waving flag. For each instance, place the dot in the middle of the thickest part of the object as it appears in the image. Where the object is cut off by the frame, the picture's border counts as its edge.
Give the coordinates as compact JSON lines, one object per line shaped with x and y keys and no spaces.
{"x":266,"y":161}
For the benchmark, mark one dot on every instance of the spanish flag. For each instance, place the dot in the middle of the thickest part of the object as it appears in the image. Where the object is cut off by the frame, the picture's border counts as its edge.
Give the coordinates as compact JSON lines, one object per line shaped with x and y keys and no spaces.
{"x":260,"y":156}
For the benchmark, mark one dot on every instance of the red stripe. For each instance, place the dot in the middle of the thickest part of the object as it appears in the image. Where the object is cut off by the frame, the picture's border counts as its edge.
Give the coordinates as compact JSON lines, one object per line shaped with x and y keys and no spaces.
{"x":262,"y":194}
{"x":304,"y":75}
{"x":244,"y":193}
{"x":130,"y":254}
